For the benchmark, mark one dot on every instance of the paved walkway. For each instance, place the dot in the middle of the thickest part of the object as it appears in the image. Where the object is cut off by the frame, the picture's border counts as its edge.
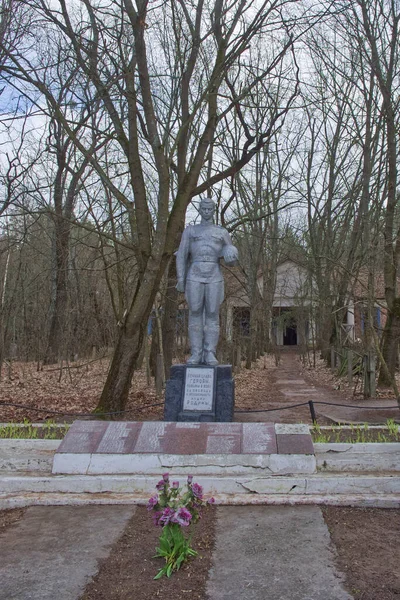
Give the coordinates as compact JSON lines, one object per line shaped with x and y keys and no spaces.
{"x":261,"y":553}
{"x":297,"y":388}
{"x":53,"y":552}
{"x":273,"y":553}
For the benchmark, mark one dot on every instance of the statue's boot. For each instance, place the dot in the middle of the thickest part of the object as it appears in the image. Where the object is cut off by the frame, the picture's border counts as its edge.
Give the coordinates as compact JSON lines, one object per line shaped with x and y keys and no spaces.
{"x":196,"y":343}
{"x":211,"y":336}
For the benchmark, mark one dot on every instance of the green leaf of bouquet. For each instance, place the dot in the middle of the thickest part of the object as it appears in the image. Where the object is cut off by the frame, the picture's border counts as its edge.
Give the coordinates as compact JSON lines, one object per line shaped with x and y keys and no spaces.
{"x":160,"y":574}
{"x":165,"y":546}
{"x":179,"y":561}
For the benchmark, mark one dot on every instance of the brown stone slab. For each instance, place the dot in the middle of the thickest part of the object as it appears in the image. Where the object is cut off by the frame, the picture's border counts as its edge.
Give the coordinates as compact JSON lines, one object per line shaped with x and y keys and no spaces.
{"x":150,"y":438}
{"x":224,"y":428}
{"x":119,"y":438}
{"x":259,"y":438}
{"x":94,"y":426}
{"x":155,"y":437}
{"x":83,"y":437}
{"x":224,"y":444}
{"x":184,"y":438}
{"x":295,"y":443}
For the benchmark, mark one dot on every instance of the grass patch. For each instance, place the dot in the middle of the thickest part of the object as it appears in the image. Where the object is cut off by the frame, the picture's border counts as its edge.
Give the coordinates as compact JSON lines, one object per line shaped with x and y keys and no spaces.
{"x":27,"y":431}
{"x":356,"y":434}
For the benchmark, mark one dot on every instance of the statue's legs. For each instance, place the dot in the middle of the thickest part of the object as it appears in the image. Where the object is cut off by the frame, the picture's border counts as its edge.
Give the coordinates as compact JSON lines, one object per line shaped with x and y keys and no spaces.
{"x":195,"y":296}
{"x":214,"y":295}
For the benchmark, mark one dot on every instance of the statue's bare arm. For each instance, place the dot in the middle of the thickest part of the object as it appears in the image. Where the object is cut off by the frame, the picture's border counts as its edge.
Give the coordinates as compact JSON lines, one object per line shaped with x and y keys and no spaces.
{"x":182,"y":257}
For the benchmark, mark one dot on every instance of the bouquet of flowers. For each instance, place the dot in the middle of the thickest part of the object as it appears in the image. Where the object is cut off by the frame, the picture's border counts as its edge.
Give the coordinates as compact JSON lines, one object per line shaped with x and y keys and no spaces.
{"x":175,"y":509}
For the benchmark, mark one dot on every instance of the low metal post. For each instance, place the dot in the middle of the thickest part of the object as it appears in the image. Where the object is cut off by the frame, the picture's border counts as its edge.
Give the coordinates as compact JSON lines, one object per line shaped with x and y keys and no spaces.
{"x":312,"y":411}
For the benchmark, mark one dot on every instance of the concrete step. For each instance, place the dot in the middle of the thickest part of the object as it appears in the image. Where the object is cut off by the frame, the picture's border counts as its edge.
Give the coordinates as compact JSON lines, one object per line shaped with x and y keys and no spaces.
{"x":358,"y":500}
{"x":27,"y":455}
{"x":260,"y":489}
{"x":353,"y":458}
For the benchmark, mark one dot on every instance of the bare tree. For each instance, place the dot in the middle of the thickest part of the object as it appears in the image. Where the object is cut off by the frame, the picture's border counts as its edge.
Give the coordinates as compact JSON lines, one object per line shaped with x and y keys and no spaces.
{"x":159,"y":75}
{"x":378,"y":34}
{"x":341,"y":170}
{"x":71,"y":170}
{"x":369,"y":45}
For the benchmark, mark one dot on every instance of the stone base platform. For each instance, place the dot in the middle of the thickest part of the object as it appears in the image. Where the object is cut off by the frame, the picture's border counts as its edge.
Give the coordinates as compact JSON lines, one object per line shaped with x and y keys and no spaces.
{"x":340,"y":490}
{"x":150,"y":448}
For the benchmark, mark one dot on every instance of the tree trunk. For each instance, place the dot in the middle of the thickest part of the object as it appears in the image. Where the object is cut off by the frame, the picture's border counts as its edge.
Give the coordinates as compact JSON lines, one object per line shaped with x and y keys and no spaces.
{"x":56,"y":340}
{"x":390,"y":347}
{"x":130,"y":340}
{"x":116,"y":389}
{"x":154,"y":348}
{"x":250,"y":340}
{"x":169,"y":318}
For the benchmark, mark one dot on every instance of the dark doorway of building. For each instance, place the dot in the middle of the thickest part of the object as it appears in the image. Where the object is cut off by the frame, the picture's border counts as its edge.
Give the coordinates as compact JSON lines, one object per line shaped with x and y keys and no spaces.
{"x":241,"y":321}
{"x":290,"y":334}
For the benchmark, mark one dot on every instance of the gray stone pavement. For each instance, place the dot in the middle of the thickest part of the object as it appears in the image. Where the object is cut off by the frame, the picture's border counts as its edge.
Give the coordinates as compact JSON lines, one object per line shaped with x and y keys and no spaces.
{"x":53,"y":551}
{"x":297,"y":388}
{"x":261,"y":553}
{"x":273,"y":553}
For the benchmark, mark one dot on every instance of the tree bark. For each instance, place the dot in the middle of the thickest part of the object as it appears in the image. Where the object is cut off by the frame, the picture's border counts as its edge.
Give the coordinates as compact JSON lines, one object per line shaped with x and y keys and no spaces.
{"x":130,"y":339}
{"x":116,"y":389}
{"x":56,"y":340}
{"x":169,"y":317}
{"x":390,"y":345}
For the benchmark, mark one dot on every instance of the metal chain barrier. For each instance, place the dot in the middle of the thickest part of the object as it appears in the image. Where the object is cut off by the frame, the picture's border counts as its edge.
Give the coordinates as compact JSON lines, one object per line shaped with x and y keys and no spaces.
{"x":64,"y":414}
{"x":311,"y":404}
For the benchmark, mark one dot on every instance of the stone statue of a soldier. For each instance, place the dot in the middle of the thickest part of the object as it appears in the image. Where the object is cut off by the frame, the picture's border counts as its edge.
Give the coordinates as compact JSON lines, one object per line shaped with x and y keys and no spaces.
{"x":200,"y":277}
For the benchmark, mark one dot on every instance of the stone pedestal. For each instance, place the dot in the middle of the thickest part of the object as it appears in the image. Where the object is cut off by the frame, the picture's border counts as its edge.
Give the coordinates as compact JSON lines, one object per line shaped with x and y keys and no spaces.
{"x":200,"y":393}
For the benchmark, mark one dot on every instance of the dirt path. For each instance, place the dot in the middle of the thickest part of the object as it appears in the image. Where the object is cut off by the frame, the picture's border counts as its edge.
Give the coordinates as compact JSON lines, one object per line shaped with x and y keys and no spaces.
{"x":287,"y":384}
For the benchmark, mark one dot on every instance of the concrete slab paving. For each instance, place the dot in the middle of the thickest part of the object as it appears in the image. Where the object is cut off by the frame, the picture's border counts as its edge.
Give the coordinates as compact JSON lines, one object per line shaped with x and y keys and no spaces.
{"x":273,"y":553}
{"x":296,"y":386}
{"x":53,"y":552}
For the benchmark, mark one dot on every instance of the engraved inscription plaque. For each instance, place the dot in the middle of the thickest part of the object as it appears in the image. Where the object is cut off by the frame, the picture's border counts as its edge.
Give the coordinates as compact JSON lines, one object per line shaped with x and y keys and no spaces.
{"x":200,"y":394}
{"x":199,"y":389}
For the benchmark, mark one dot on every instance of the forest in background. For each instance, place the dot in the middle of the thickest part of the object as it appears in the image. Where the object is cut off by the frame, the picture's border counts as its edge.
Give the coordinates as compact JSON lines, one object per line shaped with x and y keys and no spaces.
{"x":115,"y":119}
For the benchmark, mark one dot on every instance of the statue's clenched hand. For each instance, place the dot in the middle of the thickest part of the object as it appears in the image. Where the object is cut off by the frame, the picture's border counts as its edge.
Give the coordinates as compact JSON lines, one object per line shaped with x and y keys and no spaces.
{"x":231,"y":255}
{"x":180,"y":286}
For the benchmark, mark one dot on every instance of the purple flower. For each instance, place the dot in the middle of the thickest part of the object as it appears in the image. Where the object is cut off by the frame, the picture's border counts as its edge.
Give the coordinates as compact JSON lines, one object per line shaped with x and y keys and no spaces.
{"x":197,"y":490}
{"x":211,"y":501}
{"x":175,"y":485}
{"x":152,"y":502}
{"x":166,"y":477}
{"x":182,"y":517}
{"x":190,"y":478}
{"x":156,"y":517}
{"x":166,"y":516}
{"x":160,"y":485}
